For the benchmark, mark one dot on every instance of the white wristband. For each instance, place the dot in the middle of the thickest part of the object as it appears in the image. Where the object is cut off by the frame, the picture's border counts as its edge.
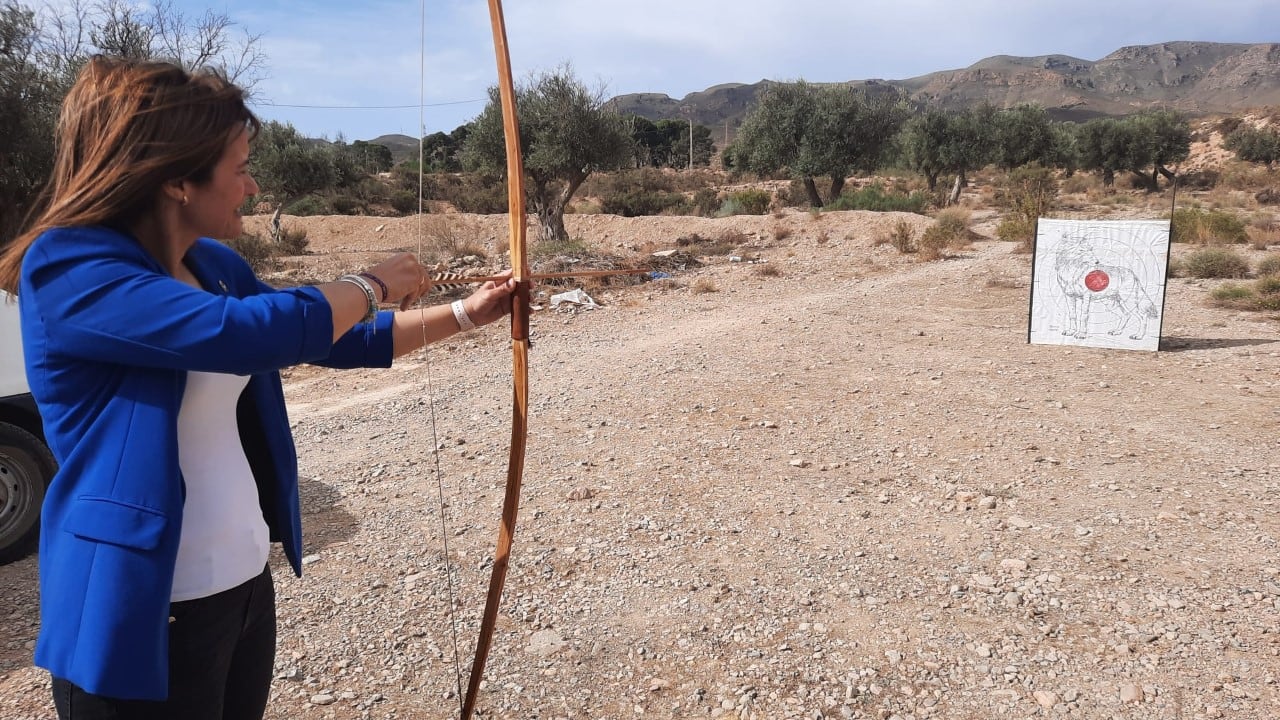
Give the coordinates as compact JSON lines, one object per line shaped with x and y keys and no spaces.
{"x":460,"y":314}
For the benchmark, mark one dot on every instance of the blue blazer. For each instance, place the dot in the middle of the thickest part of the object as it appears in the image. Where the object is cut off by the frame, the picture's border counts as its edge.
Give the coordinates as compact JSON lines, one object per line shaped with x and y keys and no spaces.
{"x":108,"y":338}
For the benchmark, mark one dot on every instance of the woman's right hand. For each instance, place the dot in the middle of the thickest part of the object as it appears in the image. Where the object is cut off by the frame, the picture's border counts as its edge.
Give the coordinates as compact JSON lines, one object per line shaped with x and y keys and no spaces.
{"x":406,"y":279}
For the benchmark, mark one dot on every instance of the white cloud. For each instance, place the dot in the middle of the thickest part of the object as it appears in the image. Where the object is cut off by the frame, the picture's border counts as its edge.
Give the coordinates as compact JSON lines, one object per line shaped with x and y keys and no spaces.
{"x":367,"y":54}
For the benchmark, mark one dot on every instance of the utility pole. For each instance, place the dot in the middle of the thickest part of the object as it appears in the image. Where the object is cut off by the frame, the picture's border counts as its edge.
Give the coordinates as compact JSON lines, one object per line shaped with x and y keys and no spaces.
{"x":691,"y":139}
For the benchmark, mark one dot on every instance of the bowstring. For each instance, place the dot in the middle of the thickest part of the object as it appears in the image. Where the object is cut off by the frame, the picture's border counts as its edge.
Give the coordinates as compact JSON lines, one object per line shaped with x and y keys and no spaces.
{"x":426,"y":354}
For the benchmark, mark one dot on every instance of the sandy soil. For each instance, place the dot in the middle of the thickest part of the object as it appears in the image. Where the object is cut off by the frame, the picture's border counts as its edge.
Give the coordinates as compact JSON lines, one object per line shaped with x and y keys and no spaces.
{"x":841,"y":487}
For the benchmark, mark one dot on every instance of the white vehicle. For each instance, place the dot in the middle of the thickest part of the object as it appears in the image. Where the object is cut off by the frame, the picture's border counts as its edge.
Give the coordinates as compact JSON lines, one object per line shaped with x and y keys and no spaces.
{"x":26,"y":465}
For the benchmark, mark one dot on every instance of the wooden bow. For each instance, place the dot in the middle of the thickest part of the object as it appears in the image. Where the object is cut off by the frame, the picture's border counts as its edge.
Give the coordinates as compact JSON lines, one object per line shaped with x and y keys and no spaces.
{"x":519,"y":353}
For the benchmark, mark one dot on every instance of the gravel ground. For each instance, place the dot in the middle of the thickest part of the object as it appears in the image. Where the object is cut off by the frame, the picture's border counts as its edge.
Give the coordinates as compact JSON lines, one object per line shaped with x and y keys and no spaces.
{"x":836,"y":484}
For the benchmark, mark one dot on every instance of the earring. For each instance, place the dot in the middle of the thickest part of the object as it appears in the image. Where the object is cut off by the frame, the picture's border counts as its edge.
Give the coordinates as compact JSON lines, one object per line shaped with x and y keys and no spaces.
{"x":184,"y":201}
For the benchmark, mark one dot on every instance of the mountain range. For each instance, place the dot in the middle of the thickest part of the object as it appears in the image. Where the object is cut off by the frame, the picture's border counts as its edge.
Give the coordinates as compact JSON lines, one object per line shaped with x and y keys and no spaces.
{"x":1199,"y":78}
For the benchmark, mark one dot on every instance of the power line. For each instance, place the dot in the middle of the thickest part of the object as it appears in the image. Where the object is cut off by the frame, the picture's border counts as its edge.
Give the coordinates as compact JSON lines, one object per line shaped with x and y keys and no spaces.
{"x":263,"y":103}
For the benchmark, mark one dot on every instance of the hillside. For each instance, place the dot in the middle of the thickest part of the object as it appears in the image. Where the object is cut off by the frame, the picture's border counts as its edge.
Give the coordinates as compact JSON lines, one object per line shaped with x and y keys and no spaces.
{"x":1195,"y":77}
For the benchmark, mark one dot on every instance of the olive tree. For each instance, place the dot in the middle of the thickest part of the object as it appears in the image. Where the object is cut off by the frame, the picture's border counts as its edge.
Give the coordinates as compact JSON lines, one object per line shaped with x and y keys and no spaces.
{"x":41,"y":53}
{"x":1251,"y":144}
{"x":565,"y":134}
{"x":812,"y":131}
{"x":29,"y":98}
{"x":1144,"y":144}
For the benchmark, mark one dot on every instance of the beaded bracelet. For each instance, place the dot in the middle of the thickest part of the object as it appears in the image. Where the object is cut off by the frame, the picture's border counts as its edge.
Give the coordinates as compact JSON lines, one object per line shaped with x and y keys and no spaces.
{"x":377,"y":281}
{"x":369,"y":295}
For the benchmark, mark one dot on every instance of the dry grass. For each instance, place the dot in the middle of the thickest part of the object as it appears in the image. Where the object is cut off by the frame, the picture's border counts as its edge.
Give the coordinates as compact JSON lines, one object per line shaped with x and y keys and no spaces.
{"x":1002,"y":282}
{"x":902,"y":237}
{"x":766,"y":270}
{"x":703,"y":285}
{"x":781,"y":232}
{"x":443,"y":240}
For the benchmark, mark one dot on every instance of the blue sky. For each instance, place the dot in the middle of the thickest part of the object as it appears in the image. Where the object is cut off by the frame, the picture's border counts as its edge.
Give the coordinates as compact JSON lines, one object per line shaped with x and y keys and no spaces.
{"x":348,"y":53}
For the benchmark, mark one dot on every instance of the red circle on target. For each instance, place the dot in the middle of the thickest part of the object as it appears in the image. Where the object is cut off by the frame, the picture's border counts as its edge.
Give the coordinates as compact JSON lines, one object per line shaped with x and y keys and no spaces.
{"x":1097,"y":281}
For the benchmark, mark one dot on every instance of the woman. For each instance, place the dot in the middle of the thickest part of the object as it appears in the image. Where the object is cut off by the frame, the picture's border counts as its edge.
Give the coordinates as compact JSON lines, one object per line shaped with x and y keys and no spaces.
{"x":153,"y":353}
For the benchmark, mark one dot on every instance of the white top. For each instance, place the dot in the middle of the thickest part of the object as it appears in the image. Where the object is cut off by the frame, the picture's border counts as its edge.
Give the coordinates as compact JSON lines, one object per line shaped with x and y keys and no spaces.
{"x":224,"y":539}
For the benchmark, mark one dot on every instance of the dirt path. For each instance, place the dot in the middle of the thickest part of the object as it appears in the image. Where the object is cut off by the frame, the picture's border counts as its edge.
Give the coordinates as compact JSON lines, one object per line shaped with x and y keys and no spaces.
{"x":847,"y":490}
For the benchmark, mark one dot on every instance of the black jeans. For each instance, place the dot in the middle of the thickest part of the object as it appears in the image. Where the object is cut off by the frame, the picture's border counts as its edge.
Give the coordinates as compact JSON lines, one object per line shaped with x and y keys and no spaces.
{"x":221,"y":652}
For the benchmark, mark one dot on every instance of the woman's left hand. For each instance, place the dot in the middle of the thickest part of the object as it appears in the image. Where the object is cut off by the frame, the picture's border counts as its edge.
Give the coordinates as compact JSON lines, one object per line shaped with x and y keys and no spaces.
{"x":490,"y":302}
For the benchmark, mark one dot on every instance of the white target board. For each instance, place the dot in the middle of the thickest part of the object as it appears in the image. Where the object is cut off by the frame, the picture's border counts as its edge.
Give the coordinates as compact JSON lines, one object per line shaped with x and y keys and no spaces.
{"x":1099,"y":283}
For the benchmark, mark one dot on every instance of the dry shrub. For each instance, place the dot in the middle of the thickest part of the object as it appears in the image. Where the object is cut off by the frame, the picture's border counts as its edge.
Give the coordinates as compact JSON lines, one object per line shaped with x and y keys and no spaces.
{"x":724,"y":244}
{"x":823,"y":237}
{"x":746,"y":202}
{"x":1214,"y":262}
{"x":1226,"y":198}
{"x":1209,"y":227}
{"x":1002,"y":282}
{"x":902,"y":237}
{"x":732,"y":238}
{"x":292,"y":241}
{"x":766,"y":270}
{"x":781,"y":232}
{"x":441,"y":241}
{"x":1250,"y":177}
{"x":703,"y":285}
{"x":948,"y":232}
{"x":1082,"y":184}
{"x":1269,"y":265}
{"x":1236,"y":296}
{"x":1262,"y":239}
{"x":1029,"y":192}
{"x":1262,"y":295}
{"x":261,"y":254}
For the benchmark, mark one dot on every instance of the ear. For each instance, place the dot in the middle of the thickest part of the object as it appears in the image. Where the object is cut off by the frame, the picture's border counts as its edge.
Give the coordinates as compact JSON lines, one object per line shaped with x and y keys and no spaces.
{"x":175,"y":190}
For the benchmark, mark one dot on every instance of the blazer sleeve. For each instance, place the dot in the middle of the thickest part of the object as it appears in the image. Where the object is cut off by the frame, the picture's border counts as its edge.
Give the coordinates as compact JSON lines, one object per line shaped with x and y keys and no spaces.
{"x":366,"y":345}
{"x":101,"y":297}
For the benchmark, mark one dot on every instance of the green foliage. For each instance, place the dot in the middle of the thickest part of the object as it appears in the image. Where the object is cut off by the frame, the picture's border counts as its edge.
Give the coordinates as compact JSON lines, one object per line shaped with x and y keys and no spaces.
{"x":1232,"y":292}
{"x":370,"y":158}
{"x":466,"y":192}
{"x":1258,"y":145}
{"x":555,"y":248}
{"x":666,"y":142}
{"x":30,"y":93}
{"x":1019,"y":229}
{"x":566,"y":134}
{"x":404,"y":202}
{"x":706,"y":201}
{"x":308,"y":205}
{"x":1028,"y":193}
{"x":348,"y":205}
{"x":287,"y":165}
{"x":1022,"y":135}
{"x":1262,"y":295}
{"x":1144,"y":144}
{"x":922,"y":143}
{"x":1195,"y":225}
{"x":813,"y":131}
{"x":1214,"y":263}
{"x":639,"y":202}
{"x":442,"y":152}
{"x":874,"y":197}
{"x":745,"y":202}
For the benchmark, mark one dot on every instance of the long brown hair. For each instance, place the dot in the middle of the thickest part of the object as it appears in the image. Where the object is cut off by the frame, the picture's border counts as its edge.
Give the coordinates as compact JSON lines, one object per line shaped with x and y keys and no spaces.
{"x":126,"y":128}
